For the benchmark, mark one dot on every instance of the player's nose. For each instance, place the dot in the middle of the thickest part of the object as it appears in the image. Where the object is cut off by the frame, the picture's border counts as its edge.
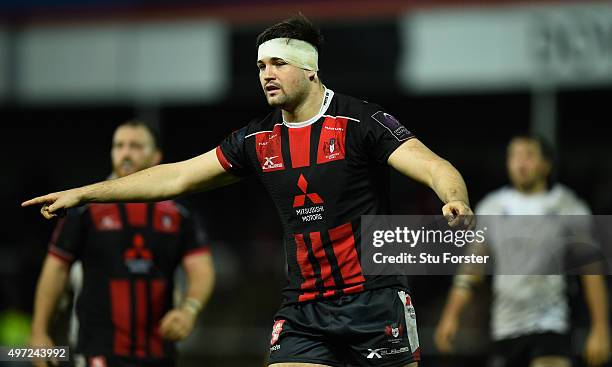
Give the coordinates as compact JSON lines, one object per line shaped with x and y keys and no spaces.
{"x":268,"y":73}
{"x":125,"y":155}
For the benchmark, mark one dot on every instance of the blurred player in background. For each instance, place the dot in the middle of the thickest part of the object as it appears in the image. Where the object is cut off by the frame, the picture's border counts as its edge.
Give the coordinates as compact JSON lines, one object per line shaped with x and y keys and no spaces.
{"x":128,"y":253}
{"x":319,"y":155}
{"x":530,"y":313}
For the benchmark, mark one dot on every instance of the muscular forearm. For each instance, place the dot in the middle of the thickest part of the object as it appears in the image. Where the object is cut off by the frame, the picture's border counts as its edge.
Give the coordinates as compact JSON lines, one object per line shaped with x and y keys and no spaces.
{"x":447,"y":182}
{"x":166,"y":181}
{"x":458,"y":299}
{"x":200,"y":278}
{"x":200,"y":289}
{"x":49,"y":289}
{"x":162,"y":182}
{"x":597,"y":300}
{"x":179,"y":322}
{"x":153,"y":184}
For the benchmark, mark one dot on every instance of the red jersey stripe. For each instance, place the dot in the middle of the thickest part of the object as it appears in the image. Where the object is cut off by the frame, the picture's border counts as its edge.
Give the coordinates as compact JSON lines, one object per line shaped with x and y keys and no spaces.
{"x":319,"y":253}
{"x":346,"y":253}
{"x":141,"y":318}
{"x":158,"y":300}
{"x":299,"y":146}
{"x":121,"y":316}
{"x":136,"y":214}
{"x":304,"y":264}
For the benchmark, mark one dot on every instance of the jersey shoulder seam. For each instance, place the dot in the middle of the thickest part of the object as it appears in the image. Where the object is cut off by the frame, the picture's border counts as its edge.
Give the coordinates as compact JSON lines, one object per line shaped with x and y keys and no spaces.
{"x":264,"y":125}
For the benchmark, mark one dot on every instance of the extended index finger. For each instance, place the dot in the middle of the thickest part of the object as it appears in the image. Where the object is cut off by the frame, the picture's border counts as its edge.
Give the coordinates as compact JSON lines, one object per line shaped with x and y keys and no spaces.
{"x":38,"y":200}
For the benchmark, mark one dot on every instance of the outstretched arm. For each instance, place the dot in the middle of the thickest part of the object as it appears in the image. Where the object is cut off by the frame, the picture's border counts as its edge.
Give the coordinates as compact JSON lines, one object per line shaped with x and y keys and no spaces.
{"x":416,"y":161}
{"x":161,"y":182}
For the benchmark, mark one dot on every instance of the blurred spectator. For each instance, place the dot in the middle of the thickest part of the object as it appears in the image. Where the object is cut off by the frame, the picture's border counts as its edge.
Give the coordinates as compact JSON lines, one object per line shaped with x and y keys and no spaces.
{"x":530,"y":313}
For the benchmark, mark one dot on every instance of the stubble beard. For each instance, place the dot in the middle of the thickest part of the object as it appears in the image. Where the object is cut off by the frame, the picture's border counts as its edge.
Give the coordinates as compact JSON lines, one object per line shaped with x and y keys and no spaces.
{"x":528,"y":185}
{"x":283,"y":101}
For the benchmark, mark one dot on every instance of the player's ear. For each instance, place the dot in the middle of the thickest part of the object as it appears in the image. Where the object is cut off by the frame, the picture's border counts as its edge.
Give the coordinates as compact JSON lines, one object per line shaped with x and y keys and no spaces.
{"x":157,"y":157}
{"x":312,"y":75}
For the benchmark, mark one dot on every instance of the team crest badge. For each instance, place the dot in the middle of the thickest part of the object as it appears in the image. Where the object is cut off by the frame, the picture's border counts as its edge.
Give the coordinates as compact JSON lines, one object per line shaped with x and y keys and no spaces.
{"x":331,"y":146}
{"x":394,"y":331}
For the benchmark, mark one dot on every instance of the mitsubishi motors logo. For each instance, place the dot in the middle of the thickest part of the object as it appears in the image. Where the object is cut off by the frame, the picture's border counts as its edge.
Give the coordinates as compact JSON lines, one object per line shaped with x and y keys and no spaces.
{"x":138,"y":250}
{"x":309,"y":213}
{"x":138,"y":258}
{"x":300,"y":200}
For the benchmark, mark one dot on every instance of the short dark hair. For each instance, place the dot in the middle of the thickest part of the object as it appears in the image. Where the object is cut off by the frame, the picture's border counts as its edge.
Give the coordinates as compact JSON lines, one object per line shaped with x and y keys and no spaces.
{"x":138,"y":123}
{"x":296,"y":27}
{"x":546,"y":148}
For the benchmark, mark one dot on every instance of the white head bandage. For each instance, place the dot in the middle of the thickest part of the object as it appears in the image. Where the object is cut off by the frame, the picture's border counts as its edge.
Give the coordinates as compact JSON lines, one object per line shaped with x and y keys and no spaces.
{"x":295,"y":52}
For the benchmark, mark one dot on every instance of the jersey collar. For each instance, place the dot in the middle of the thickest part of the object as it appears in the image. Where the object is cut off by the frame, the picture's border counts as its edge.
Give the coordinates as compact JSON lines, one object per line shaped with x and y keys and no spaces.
{"x":328,"y":95}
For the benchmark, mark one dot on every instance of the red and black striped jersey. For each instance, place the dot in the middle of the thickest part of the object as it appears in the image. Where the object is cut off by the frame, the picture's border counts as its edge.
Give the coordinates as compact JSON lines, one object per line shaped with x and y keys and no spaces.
{"x":322,"y":175}
{"x":129,"y":253}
